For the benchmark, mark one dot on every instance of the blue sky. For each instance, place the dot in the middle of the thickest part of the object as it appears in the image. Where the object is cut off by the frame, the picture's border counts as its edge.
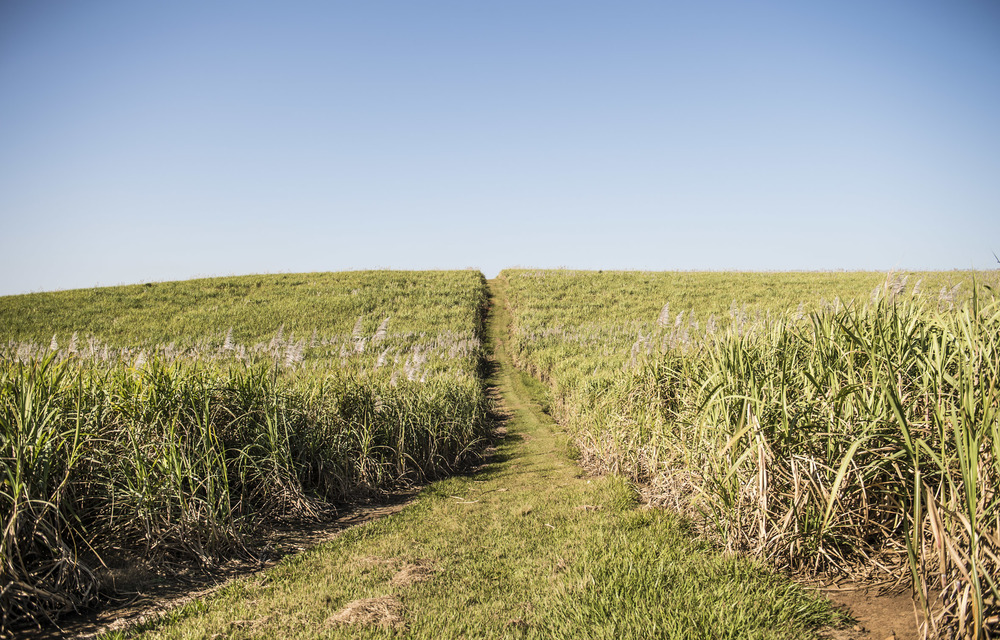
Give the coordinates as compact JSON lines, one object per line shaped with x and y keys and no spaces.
{"x":157,"y":141}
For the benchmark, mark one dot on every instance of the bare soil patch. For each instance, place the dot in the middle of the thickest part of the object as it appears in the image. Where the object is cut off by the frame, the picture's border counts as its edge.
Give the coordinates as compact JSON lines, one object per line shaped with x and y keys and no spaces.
{"x":879,"y":616}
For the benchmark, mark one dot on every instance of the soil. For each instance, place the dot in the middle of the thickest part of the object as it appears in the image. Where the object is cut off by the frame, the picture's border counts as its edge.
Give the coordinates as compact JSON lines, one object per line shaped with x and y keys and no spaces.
{"x":155,"y":590}
{"x":877,"y":616}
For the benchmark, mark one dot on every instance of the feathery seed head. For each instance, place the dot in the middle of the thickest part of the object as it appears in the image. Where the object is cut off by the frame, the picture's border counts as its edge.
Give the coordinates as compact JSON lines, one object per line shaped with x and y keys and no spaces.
{"x":663,"y":319}
{"x":383,"y":330}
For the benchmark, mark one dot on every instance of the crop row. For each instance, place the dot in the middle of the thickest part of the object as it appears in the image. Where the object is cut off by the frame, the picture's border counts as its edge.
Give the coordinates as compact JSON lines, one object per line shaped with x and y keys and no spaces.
{"x":858,"y":437}
{"x":174,"y":445}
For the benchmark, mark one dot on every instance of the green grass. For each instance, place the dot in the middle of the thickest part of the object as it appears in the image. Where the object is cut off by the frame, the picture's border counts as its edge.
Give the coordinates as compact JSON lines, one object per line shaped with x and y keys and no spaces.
{"x":527,"y":547}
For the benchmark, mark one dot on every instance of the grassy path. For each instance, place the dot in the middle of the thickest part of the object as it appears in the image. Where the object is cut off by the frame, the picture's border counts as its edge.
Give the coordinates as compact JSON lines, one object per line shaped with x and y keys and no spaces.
{"x":527,"y":547}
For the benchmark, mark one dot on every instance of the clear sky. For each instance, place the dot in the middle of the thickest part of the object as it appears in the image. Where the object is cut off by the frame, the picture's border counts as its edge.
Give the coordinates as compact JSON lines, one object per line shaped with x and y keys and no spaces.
{"x":165,"y":140}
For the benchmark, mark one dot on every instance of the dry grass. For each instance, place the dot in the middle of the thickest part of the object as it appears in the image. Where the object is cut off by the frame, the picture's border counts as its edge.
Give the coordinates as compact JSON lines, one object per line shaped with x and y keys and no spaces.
{"x":385,"y":612}
{"x":412,"y":573}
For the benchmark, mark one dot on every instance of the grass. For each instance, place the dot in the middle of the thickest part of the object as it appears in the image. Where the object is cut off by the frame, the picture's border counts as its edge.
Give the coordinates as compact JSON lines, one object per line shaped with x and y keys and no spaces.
{"x":526,"y":547}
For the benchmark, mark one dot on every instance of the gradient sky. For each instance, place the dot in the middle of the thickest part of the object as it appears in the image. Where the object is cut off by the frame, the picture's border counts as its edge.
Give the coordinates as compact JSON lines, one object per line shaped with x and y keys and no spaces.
{"x":156,"y":141}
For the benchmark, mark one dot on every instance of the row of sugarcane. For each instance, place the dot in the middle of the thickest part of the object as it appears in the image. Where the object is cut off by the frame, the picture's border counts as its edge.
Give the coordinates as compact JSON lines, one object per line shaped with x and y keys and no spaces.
{"x":857,"y":439}
{"x":182,"y":458}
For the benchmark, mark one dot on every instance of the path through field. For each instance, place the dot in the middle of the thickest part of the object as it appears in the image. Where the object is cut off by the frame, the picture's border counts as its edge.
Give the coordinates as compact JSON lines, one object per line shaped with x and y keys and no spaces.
{"x":527,"y":546}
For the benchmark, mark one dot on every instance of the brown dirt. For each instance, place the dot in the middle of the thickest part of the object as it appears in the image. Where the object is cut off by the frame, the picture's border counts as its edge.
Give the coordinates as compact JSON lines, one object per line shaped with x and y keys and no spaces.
{"x":878,"y":616}
{"x":385,"y":612}
{"x":150,"y":590}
